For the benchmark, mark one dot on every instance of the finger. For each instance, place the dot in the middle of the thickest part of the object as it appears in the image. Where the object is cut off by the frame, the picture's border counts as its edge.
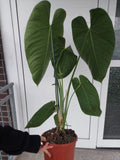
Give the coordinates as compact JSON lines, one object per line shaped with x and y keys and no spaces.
{"x":49,"y":147}
{"x":48,"y":153}
{"x":45,"y":147}
{"x":47,"y":143}
{"x":40,"y":150}
{"x":43,"y":139}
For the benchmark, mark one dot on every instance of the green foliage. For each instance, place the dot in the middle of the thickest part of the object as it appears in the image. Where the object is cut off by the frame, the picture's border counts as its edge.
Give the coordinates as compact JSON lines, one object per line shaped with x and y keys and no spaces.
{"x":42,"y":115}
{"x":65,"y":58}
{"x":87,"y":96}
{"x":38,"y":38}
{"x":66,"y":62}
{"x":95,"y":46}
{"x":56,"y":119}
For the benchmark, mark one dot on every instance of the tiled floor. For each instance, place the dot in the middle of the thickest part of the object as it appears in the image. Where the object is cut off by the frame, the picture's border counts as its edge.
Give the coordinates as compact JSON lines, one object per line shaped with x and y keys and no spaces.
{"x":80,"y":154}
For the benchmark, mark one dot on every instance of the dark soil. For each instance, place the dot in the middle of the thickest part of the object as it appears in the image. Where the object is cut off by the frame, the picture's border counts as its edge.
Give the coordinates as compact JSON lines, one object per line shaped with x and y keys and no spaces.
{"x":58,"y":137}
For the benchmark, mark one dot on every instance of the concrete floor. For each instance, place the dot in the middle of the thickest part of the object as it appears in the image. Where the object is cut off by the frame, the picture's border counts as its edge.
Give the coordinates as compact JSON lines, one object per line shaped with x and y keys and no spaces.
{"x":80,"y":154}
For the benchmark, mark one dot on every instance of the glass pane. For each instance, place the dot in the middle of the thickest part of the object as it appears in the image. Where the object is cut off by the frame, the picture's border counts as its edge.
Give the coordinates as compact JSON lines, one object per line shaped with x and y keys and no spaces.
{"x":116,"y":55}
{"x":112,"y":120}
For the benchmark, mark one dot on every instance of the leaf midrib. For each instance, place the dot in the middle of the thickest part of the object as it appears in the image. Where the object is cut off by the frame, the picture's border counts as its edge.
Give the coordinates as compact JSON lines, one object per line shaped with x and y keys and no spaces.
{"x":86,"y":95}
{"x":93,"y":48}
{"x":47,"y":48}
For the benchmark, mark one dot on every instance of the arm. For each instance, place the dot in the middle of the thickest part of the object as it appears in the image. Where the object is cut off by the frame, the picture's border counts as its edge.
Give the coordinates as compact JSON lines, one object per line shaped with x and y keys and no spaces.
{"x":15,"y":142}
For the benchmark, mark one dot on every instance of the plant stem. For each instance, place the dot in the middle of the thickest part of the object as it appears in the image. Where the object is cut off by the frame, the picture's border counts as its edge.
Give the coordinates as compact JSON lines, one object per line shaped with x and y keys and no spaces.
{"x":56,"y":79}
{"x":61,"y":96}
{"x":72,"y":96}
{"x":57,"y":93}
{"x":66,"y":104}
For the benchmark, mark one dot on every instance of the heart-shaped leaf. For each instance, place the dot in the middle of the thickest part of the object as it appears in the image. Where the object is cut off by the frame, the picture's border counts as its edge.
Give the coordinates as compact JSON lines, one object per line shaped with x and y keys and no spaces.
{"x":38,"y":38}
{"x":42,"y":115}
{"x":95,"y":44}
{"x":57,"y":23}
{"x":87,"y":96}
{"x":64,"y":57}
{"x":66,"y":62}
{"x":59,"y":45}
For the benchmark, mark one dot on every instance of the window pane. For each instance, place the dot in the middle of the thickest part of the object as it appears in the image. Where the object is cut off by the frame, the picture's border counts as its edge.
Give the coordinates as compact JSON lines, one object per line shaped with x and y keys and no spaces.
{"x":116,"y":55}
{"x":112,"y":120}
{"x":118,"y":9}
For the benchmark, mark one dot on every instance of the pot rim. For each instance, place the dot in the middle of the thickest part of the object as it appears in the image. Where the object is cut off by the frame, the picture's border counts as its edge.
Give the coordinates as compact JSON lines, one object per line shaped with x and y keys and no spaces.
{"x":66,"y":144}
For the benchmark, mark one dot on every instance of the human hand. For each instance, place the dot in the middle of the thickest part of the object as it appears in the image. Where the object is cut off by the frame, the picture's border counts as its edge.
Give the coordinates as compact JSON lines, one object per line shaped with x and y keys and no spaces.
{"x":45,"y":147}
{"x":43,"y":139}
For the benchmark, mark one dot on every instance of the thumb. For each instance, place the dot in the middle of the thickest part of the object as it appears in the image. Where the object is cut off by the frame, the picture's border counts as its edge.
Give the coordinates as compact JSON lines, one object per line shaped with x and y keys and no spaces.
{"x":43,"y":139}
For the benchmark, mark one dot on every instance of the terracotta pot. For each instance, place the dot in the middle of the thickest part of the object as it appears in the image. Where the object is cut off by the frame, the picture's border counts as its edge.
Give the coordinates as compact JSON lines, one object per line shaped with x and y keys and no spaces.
{"x":62,"y":151}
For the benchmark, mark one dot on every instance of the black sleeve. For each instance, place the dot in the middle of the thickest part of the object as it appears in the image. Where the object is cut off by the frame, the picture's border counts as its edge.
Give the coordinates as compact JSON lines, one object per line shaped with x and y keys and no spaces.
{"x":15,"y":142}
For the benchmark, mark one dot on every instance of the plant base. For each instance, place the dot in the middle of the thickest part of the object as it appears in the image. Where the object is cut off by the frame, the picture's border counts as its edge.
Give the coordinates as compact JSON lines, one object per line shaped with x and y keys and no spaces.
{"x":55,"y":136}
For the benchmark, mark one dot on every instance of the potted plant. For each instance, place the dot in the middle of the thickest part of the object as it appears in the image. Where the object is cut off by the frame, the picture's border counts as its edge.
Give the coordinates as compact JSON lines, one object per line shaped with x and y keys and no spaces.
{"x":44,"y":42}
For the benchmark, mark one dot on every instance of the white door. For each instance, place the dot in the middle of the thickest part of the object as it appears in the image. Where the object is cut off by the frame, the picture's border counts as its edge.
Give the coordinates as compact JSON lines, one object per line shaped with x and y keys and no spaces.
{"x":33,"y":97}
{"x":109,"y":122}
{"x":85,"y":126}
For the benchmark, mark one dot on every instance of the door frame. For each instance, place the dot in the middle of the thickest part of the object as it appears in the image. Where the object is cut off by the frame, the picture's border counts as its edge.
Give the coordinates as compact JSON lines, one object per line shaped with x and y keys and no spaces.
{"x":13,"y":57}
{"x":108,"y":143}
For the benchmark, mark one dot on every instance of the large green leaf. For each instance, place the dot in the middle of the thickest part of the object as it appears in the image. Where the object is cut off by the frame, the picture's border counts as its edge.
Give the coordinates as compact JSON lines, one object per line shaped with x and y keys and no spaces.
{"x":87,"y":96}
{"x":66,"y":62}
{"x":64,"y":57}
{"x":57,"y":23}
{"x":95,"y":44}
{"x":59,"y":45}
{"x":42,"y":115}
{"x":38,"y":38}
